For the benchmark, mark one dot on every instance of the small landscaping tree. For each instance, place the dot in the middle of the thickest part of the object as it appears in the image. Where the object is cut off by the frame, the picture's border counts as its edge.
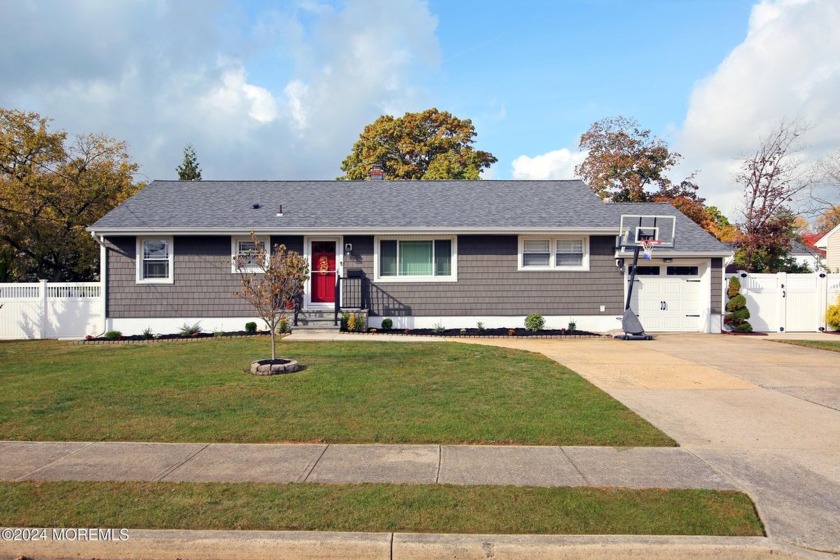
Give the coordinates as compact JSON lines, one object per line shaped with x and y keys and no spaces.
{"x":271,"y":283}
{"x":737,"y":312}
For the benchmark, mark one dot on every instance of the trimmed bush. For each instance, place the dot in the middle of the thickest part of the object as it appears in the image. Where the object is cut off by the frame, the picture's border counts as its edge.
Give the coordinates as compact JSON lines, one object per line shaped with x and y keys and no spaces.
{"x":534,"y":322}
{"x":251,"y":328}
{"x":737,"y":315}
{"x":387,"y":324}
{"x":832,"y":315}
{"x":113,"y":335}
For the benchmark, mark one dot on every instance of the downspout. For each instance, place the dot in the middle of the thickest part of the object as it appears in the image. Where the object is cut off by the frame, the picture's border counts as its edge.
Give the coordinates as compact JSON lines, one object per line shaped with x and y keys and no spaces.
{"x":103,"y":268}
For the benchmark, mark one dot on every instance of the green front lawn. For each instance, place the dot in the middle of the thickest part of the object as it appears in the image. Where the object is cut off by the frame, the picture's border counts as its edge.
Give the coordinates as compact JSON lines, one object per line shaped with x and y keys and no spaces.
{"x":378,"y":508}
{"x":821,"y":344}
{"x":349,"y":392}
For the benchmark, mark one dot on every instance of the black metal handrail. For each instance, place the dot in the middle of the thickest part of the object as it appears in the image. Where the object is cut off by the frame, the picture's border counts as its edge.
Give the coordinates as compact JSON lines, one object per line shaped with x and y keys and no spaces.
{"x":349,"y":294}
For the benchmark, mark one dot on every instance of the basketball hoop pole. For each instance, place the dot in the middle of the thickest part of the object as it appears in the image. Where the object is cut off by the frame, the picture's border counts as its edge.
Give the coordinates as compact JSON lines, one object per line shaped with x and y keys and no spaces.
{"x":632,"y":276}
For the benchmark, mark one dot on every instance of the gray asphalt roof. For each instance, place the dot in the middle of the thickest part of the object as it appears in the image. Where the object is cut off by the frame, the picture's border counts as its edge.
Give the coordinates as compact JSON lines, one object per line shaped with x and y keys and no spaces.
{"x":373,"y":205}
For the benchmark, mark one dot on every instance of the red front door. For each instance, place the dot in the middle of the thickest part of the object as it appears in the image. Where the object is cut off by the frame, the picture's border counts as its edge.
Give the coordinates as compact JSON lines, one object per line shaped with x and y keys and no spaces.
{"x":323,"y":272}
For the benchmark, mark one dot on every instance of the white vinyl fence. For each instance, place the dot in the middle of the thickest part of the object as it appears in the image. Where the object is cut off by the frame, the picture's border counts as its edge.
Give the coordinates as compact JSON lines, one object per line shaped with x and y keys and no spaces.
{"x":51,"y":310}
{"x":788,"y":302}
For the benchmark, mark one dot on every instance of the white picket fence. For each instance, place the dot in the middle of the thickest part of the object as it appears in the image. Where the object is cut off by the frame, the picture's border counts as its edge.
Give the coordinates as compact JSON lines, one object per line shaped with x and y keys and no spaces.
{"x":51,"y":310}
{"x":788,"y":302}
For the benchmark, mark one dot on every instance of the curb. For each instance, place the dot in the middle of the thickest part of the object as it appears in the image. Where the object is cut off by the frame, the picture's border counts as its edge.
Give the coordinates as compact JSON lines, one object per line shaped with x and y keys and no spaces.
{"x":257,"y":545}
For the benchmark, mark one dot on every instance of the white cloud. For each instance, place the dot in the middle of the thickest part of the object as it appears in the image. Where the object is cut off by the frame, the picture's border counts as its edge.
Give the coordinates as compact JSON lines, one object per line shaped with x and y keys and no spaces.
{"x":557,"y":164}
{"x":282,"y":93}
{"x":787,"y":67}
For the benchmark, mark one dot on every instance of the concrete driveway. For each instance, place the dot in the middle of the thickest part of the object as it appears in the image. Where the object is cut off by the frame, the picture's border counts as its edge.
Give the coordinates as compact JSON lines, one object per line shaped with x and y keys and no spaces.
{"x":765,"y":415}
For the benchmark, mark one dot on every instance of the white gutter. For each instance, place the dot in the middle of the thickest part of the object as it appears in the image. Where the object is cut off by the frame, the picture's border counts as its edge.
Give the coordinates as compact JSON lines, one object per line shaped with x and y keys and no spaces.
{"x":346,"y":231}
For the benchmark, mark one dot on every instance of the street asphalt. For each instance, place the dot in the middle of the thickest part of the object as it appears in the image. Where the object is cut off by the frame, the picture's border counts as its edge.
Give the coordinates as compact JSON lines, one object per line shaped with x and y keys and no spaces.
{"x":748,"y":413}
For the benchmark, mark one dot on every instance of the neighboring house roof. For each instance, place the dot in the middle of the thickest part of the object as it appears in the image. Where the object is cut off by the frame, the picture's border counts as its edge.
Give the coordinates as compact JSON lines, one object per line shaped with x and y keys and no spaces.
{"x":822,"y":242}
{"x":798,"y":249}
{"x":225,"y":207}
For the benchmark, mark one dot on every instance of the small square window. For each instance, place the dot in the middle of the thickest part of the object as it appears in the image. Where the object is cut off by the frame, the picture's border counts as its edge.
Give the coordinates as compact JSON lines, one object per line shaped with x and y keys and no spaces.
{"x":245,"y":252}
{"x":536,"y":252}
{"x":154,"y":260}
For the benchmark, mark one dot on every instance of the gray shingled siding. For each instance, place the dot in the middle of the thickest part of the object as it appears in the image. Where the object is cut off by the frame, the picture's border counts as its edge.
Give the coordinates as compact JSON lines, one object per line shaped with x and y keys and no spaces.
{"x":203,"y":287}
{"x":717,"y":285}
{"x":490,"y":284}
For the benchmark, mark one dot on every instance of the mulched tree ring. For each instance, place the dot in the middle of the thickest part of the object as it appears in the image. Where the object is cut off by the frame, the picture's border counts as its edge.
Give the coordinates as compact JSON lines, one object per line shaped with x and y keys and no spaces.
{"x":274,"y":367}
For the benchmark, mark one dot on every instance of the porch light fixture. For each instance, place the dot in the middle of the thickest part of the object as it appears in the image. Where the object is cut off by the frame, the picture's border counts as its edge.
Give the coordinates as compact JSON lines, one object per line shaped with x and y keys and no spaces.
{"x":279,"y":210}
{"x":619,"y":263}
{"x":348,"y":249}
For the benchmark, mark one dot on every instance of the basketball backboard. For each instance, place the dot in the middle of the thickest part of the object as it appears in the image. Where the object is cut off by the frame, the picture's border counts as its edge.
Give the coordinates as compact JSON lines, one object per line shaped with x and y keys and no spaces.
{"x":636,"y":228}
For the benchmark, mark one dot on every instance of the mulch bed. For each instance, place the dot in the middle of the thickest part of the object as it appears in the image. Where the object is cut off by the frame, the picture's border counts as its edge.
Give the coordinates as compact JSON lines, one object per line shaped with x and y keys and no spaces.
{"x":493,"y":333}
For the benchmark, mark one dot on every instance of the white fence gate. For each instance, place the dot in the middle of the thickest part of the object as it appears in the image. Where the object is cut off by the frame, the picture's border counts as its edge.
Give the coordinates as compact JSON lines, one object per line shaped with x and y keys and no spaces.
{"x":51,"y":310}
{"x":788,"y":302}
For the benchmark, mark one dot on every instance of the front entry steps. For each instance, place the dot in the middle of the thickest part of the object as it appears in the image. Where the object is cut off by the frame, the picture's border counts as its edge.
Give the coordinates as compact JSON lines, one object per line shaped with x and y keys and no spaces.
{"x":316,"y":321}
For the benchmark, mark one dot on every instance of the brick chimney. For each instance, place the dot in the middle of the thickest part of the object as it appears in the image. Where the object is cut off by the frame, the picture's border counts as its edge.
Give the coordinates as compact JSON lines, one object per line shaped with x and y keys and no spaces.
{"x":376,"y":172}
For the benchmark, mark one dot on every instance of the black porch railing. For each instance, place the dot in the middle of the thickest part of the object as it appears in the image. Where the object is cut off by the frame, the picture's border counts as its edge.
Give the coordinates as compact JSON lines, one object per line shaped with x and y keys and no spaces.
{"x":349,"y":293}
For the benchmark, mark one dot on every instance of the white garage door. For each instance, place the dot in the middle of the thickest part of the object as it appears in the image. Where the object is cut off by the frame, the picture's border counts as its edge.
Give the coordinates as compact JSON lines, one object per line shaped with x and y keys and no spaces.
{"x":668,"y":297}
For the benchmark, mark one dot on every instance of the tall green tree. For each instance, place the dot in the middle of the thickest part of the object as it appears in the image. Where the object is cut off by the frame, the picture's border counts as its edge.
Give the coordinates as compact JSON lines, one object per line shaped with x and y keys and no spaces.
{"x":189,"y":170}
{"x":51,"y":189}
{"x":428,"y":145}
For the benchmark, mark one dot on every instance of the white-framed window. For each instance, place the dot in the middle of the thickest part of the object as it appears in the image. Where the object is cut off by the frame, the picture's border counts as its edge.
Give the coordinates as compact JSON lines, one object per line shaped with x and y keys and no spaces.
{"x":415,"y":259}
{"x":567,"y":252}
{"x":154,"y":260}
{"x":247,"y":250}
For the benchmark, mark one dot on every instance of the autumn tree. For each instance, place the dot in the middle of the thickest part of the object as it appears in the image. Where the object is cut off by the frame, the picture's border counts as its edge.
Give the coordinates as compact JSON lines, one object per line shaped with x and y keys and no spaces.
{"x":189,"y":169}
{"x":625,"y":163}
{"x":828,"y":219}
{"x":429,"y":145}
{"x":271,"y":283}
{"x":772,"y":177}
{"x":719,"y":225}
{"x":51,"y":189}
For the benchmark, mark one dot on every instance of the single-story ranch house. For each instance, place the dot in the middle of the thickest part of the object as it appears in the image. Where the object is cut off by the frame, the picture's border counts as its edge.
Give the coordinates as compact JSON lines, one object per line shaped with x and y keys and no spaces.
{"x":450,"y":253}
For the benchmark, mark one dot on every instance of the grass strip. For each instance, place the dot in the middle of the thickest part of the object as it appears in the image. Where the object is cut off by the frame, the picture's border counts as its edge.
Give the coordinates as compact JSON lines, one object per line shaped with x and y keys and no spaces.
{"x":378,"y":508}
{"x":349,"y":392}
{"x":819,"y":344}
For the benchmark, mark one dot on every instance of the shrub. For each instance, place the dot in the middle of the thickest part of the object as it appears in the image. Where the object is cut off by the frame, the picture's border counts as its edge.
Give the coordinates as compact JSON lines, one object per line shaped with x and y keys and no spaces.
{"x":737,"y":312}
{"x":113,"y":335}
{"x":480,"y":326}
{"x":147,"y":333}
{"x":351,"y":322}
{"x":463,"y":331}
{"x":345,"y":318}
{"x":733,"y":288}
{"x":360,"y":323}
{"x":218,"y":333}
{"x":190,"y":330}
{"x":736,"y":303}
{"x":387,"y":324}
{"x":439,"y":328}
{"x":511,"y":332}
{"x":572,"y":326}
{"x":283,"y":325}
{"x":251,"y":327}
{"x":832,"y":315}
{"x":534,"y":322}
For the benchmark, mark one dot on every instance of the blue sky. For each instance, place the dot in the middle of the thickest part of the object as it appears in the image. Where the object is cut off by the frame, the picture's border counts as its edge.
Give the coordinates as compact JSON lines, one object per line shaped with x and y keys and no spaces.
{"x":281,"y":90}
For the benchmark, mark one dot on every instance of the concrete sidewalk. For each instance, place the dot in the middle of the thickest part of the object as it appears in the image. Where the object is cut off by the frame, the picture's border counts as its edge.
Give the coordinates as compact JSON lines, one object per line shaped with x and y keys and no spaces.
{"x":544,"y":466}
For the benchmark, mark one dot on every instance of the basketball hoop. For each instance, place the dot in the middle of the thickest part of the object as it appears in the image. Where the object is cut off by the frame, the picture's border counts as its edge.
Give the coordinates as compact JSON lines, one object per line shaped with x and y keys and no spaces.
{"x":648,"y":245}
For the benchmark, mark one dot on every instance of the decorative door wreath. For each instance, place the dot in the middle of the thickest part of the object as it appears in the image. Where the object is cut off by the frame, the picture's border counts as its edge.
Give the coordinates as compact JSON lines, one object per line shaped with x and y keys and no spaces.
{"x":323,"y":265}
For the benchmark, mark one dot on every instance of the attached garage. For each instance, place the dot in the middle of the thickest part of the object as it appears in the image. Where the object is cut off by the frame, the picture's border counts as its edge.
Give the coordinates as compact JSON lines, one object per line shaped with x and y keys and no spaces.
{"x":672,"y":297}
